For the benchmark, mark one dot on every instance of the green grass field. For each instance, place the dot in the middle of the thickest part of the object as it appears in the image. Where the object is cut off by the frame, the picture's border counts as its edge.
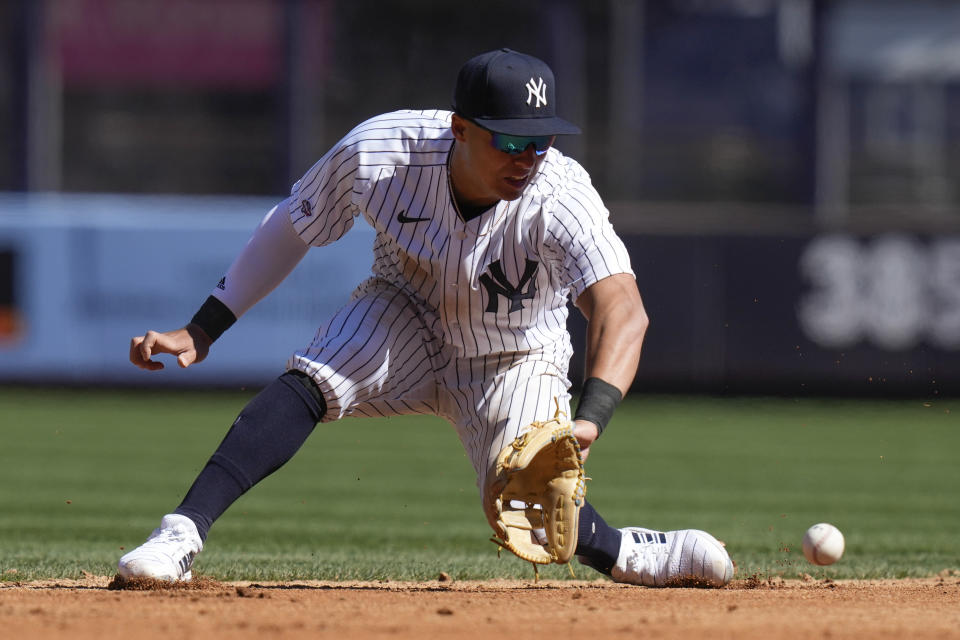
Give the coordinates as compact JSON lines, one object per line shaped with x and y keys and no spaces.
{"x":87,"y":474}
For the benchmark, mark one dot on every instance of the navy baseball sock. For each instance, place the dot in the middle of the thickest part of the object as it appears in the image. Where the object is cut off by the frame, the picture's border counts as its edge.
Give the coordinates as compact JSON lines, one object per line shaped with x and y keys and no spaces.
{"x":266,"y":434}
{"x":598,"y":544}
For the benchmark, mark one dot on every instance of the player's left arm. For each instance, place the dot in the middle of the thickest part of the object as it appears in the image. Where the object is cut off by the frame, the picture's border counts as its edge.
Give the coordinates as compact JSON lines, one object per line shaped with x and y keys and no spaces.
{"x":616,"y":325}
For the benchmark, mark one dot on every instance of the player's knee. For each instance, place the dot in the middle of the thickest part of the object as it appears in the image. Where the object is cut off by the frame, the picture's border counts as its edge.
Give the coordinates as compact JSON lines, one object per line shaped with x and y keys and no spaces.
{"x":308,"y":391}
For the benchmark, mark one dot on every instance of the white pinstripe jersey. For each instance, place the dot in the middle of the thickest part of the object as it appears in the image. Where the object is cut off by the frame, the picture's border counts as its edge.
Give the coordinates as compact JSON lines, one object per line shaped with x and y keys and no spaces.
{"x":496,"y":283}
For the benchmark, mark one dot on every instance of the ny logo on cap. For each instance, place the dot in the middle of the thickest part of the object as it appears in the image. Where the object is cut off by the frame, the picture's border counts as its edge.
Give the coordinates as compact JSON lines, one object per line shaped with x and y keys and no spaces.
{"x":537,"y":90}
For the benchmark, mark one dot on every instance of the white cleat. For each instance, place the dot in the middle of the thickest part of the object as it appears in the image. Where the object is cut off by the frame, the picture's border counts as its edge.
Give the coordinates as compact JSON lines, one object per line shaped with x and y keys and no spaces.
{"x":685,"y":558}
{"x":167,"y":554}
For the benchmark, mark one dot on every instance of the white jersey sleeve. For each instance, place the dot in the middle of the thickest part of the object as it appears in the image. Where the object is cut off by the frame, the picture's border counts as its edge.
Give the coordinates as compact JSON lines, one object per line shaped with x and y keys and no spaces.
{"x":323,"y":202}
{"x":579,"y":235}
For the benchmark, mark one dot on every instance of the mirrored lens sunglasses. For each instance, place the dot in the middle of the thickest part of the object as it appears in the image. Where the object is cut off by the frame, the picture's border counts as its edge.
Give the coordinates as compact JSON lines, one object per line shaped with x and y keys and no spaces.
{"x":518,"y":144}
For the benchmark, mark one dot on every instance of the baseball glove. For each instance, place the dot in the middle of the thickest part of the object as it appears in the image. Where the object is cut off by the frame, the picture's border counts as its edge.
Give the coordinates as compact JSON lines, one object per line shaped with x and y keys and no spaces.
{"x":534,"y":492}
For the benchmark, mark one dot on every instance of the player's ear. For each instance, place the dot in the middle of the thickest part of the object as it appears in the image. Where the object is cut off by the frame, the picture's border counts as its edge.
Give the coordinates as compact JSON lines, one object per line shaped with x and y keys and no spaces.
{"x":459,"y":128}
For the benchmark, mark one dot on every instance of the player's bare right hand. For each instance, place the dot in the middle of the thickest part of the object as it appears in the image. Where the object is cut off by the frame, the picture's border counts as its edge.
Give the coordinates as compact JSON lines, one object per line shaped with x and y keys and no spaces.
{"x":586,"y":433}
{"x":189,"y":345}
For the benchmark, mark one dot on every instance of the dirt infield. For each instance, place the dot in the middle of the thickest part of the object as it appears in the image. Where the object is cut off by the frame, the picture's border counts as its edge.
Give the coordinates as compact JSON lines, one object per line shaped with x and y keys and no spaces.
{"x":754,"y":608}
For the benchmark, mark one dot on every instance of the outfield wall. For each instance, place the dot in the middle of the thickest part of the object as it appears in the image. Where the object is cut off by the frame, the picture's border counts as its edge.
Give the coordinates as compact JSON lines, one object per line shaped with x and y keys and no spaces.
{"x":792,"y":313}
{"x":821,"y":313}
{"x":91,"y":271}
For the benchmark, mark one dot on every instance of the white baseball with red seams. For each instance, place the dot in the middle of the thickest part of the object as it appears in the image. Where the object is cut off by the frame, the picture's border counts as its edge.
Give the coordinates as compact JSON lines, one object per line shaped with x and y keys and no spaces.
{"x":823,"y":544}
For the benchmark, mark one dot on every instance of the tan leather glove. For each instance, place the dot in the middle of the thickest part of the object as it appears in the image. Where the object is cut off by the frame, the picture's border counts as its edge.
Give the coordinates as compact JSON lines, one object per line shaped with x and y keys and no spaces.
{"x":537,"y":483}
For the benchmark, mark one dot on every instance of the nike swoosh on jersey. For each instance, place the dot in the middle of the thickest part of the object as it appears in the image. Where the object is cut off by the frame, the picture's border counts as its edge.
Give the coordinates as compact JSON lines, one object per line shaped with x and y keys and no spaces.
{"x":402,"y":217}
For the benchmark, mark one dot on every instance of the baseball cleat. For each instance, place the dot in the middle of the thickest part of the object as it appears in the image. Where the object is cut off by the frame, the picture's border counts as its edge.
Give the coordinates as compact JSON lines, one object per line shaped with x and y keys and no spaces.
{"x":167,"y":554}
{"x":685,"y":558}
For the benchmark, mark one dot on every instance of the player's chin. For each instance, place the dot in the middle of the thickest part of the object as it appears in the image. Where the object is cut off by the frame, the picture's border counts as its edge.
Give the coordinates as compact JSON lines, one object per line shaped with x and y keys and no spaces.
{"x":512,"y":188}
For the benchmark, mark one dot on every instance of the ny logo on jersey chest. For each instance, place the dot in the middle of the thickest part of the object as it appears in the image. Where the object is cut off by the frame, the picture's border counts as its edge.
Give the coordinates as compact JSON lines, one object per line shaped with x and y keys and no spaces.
{"x":496,"y":284}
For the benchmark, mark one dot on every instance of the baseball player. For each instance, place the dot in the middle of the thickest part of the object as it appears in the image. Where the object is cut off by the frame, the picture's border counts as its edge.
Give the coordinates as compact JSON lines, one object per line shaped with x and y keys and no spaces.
{"x":484,"y":231}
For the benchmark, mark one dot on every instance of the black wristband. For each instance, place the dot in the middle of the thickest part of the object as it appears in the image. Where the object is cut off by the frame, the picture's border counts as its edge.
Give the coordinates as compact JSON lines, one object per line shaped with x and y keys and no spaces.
{"x":213,"y":317}
{"x":597,"y":403}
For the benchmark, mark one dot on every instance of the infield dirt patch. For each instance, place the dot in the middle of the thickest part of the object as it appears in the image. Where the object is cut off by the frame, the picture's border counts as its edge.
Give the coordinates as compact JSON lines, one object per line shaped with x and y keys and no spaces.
{"x":750,"y":608}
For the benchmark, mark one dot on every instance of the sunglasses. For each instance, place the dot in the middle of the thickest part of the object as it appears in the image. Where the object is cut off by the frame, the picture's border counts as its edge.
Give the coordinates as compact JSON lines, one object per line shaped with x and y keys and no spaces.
{"x":515,"y":145}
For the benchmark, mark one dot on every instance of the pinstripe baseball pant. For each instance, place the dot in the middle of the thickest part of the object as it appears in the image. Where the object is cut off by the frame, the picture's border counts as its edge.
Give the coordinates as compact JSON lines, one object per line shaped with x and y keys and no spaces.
{"x":376,"y":357}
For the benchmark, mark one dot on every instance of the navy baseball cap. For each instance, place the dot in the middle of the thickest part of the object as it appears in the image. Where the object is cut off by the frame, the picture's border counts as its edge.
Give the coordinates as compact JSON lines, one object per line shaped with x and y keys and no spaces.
{"x":509,"y":92}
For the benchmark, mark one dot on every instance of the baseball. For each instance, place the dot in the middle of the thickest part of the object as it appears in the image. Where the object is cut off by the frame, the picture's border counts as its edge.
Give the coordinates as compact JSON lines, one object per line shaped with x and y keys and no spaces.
{"x":823,"y":544}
